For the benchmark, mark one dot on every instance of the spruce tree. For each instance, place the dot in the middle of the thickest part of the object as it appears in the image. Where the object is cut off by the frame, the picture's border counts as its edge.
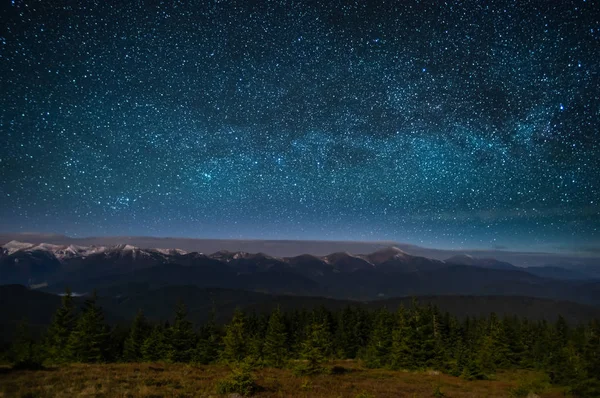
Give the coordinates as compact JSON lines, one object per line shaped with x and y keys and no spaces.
{"x":502,"y":340}
{"x":568,"y":368}
{"x":461,"y":357}
{"x":155,"y":347}
{"x":235,"y":346}
{"x":207,"y":348}
{"x":512,"y":338}
{"x":401,"y":356}
{"x":88,"y":341}
{"x":541,"y":351}
{"x":441,"y":339}
{"x":24,"y":352}
{"x":315,"y":348}
{"x":362,"y":330}
{"x":275,"y":348}
{"x":255,"y":329}
{"x":424,"y":330}
{"x":349,"y":337}
{"x":555,"y":355}
{"x":117,"y":337}
{"x":132,"y":350}
{"x":378,"y":349}
{"x":485,"y":354}
{"x":472,"y":369}
{"x":592,"y":348}
{"x":297,"y":323}
{"x":454,"y":347}
{"x":60,"y":329}
{"x":181,"y":337}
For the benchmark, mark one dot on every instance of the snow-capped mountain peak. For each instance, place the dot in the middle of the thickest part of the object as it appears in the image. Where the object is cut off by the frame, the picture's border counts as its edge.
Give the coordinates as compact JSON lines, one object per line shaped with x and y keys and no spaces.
{"x":170,"y":252}
{"x":14,"y":246}
{"x":45,"y":247}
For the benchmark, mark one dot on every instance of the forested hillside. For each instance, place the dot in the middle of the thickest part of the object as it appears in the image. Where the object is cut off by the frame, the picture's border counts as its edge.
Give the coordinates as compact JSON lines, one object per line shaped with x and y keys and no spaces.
{"x":414,"y":337}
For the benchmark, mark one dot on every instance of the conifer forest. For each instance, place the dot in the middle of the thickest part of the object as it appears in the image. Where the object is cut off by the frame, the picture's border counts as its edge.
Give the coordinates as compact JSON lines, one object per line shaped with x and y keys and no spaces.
{"x":418,"y":338}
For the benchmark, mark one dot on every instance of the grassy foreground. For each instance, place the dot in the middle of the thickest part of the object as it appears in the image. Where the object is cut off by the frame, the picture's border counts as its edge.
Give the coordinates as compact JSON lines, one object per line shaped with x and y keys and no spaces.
{"x":180,"y":380}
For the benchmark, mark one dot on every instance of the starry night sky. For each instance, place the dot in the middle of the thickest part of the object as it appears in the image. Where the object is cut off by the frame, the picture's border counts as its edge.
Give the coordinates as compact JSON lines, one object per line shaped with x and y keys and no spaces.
{"x":446,"y":124}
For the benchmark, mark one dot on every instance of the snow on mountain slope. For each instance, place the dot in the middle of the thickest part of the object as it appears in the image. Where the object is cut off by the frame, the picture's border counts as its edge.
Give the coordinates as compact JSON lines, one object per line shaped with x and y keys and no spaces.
{"x":64,"y":252}
{"x":14,"y":246}
{"x":386,"y":254}
{"x":171,"y":252}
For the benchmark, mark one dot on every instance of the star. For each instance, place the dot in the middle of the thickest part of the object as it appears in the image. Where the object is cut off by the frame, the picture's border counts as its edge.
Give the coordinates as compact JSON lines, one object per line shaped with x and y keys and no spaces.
{"x":303,"y":121}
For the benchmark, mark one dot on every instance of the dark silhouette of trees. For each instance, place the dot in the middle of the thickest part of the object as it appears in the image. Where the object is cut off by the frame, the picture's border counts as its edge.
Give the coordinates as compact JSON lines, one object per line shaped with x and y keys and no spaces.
{"x":89,"y":340}
{"x":57,"y":336}
{"x":235,"y":345}
{"x":181,"y":339}
{"x":275,"y":350}
{"x":132,"y":350}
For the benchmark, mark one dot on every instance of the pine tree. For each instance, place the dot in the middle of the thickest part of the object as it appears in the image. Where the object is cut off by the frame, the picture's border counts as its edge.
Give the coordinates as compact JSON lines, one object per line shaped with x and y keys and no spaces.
{"x":88,"y":341}
{"x":155,"y":347}
{"x":235,"y":340}
{"x":182,"y":338}
{"x":60,"y":329}
{"x":132,"y":351}
{"x":275,"y":349}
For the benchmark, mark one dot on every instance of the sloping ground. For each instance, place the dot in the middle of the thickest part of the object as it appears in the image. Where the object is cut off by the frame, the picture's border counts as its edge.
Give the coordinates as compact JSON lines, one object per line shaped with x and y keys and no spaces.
{"x":158,"y":380}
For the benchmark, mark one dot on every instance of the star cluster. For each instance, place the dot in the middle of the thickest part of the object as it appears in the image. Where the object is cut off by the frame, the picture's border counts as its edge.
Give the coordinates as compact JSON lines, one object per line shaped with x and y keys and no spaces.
{"x":462,"y":124}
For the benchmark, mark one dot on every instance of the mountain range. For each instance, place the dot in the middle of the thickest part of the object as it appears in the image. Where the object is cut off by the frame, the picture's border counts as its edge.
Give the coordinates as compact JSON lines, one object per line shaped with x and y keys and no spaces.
{"x":388,"y":272}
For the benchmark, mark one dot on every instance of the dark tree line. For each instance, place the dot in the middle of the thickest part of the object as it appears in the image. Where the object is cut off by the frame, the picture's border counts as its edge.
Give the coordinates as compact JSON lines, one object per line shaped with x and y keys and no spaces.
{"x":420,"y":337}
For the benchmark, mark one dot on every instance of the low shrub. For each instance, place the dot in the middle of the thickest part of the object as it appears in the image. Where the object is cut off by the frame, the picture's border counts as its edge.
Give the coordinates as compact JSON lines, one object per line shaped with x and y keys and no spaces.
{"x":338,"y":370}
{"x":364,"y":394}
{"x":530,"y":385}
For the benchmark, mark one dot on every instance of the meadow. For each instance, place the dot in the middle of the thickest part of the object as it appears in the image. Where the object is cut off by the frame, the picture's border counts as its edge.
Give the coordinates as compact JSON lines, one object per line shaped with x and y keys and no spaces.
{"x":350,"y":380}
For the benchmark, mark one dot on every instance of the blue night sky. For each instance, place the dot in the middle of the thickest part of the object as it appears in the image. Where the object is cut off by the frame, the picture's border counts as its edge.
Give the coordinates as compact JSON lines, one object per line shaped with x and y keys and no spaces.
{"x":446,"y":124}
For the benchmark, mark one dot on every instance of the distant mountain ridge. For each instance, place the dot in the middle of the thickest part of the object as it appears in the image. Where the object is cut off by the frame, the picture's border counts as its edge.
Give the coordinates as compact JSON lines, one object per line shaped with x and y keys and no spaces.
{"x":387,"y":272}
{"x":587,"y":260}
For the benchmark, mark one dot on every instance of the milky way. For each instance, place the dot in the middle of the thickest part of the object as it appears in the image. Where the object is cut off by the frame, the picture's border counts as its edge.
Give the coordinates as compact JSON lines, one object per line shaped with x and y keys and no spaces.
{"x":456,"y":124}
